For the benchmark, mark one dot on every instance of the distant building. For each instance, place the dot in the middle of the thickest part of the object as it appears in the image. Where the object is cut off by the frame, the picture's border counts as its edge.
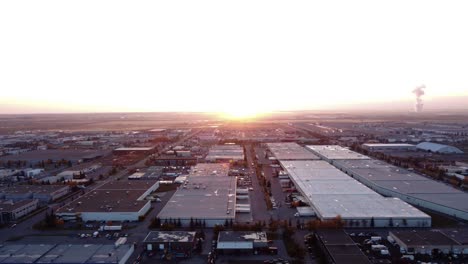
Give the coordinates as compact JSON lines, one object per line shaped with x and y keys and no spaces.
{"x":12,"y":211}
{"x":208,"y":196}
{"x":232,"y":242}
{"x":171,"y":160}
{"x":339,"y":248}
{"x":225,"y":153}
{"x":32,"y":172}
{"x":43,"y":193}
{"x":438,"y":148}
{"x":113,"y":201}
{"x":179,"y":243}
{"x":427,"y":242}
{"x":65,"y":253}
{"x":139,"y":150}
{"x":389,"y":147}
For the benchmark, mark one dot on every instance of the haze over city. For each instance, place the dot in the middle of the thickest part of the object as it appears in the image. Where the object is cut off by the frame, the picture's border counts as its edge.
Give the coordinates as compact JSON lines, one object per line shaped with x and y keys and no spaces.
{"x":115,"y":56}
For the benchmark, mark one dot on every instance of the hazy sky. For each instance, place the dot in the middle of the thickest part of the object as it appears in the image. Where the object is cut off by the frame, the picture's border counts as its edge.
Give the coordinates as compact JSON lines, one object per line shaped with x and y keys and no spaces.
{"x":71,"y":56}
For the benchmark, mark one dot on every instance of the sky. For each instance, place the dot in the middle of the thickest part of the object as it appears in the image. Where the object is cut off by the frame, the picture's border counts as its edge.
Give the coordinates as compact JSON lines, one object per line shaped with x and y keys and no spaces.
{"x":238,"y":57}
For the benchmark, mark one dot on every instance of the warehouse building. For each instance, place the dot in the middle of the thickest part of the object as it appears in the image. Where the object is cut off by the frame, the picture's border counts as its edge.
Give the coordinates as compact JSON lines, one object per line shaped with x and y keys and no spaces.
{"x":137,"y":150}
{"x":438,"y":148}
{"x":114,"y":201}
{"x":415,"y":189}
{"x":225,"y":153}
{"x":332,"y":193}
{"x":12,"y":211}
{"x":179,"y":243}
{"x":65,"y":253}
{"x":209,"y":169}
{"x":238,"y":242}
{"x":16,"y":254}
{"x":43,"y":193}
{"x":427,"y":242}
{"x":335,"y":152}
{"x":290,"y":151}
{"x":389,"y":147}
{"x":339,"y":248}
{"x":173,"y":160}
{"x":208,"y":195}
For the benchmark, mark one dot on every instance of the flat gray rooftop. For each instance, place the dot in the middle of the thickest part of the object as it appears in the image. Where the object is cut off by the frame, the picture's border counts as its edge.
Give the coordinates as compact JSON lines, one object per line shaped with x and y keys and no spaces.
{"x":69,"y":253}
{"x":388,"y":145}
{"x":106,"y":201}
{"x":290,"y":151}
{"x":210,"y":169}
{"x":242,"y":236}
{"x":134,"y":149}
{"x":25,"y":253}
{"x":203,"y":197}
{"x":424,"y":238}
{"x":169,"y":236}
{"x":334,"y":152}
{"x":331,"y":192}
{"x":225,"y":152}
{"x":402,"y":181}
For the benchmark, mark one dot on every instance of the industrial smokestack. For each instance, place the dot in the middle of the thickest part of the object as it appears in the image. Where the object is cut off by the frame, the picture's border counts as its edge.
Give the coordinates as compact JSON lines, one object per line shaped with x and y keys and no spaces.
{"x":419,"y":92}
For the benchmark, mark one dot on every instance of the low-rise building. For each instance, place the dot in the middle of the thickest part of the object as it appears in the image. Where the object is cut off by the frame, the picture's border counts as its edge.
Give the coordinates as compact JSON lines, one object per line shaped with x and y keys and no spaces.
{"x":43,"y":193}
{"x":11,"y":211}
{"x":339,"y":248}
{"x":237,"y":242}
{"x":376,"y":147}
{"x":65,"y":253}
{"x":114,"y":201}
{"x":438,"y":148}
{"x":427,"y":242}
{"x":179,"y":243}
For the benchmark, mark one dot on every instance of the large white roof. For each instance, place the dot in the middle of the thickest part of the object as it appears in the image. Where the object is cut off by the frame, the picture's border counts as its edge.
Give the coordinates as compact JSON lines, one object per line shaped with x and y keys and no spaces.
{"x":331,"y":192}
{"x":333,"y":152}
{"x":290,"y":151}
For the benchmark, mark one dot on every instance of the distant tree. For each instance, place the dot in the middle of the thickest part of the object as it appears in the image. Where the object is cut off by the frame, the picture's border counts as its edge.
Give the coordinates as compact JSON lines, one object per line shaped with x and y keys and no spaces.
{"x":372,"y":224}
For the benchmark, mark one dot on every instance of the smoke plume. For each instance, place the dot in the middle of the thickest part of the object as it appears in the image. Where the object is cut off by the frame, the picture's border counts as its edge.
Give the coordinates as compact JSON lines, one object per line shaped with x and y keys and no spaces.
{"x":419,"y":92}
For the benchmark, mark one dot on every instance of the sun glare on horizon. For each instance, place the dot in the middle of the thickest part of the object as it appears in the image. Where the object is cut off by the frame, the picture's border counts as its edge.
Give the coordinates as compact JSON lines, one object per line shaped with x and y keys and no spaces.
{"x":241,"y":113}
